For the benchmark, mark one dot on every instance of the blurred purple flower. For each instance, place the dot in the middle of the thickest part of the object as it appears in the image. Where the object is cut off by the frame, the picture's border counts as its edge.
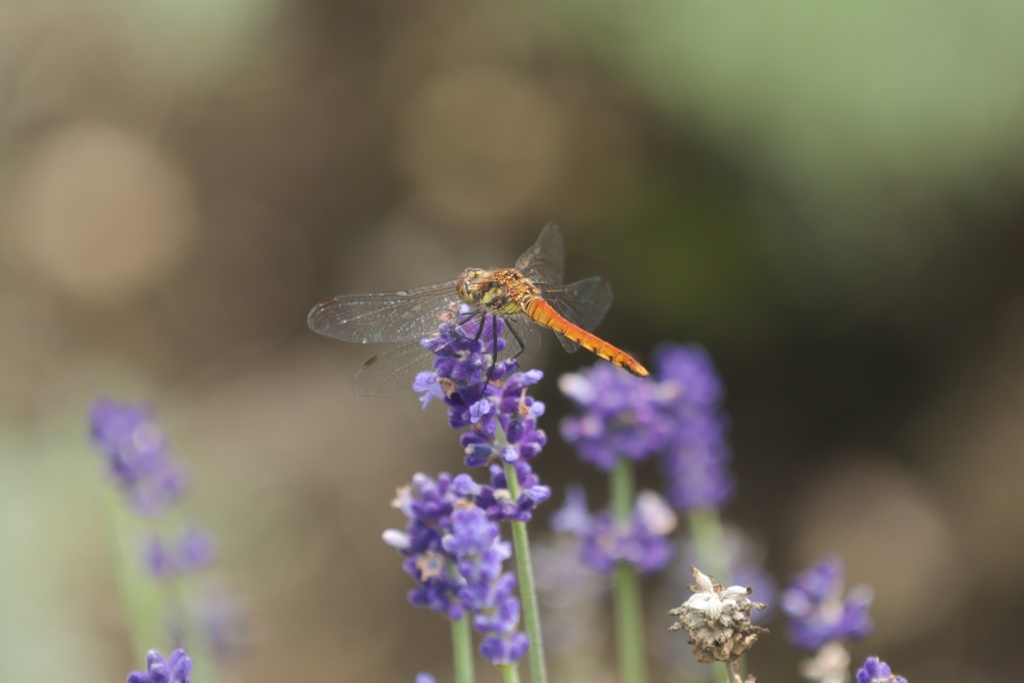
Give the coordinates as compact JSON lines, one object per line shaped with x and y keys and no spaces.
{"x":697,"y":457}
{"x":424,"y":677}
{"x":137,"y":455}
{"x":139,"y":461}
{"x":571,"y":600}
{"x":643,"y":541}
{"x":877,"y":671}
{"x":174,"y":669}
{"x":622,"y":416}
{"x":819,"y":612}
{"x":676,"y":414}
{"x":221,"y":619}
{"x":194,"y":550}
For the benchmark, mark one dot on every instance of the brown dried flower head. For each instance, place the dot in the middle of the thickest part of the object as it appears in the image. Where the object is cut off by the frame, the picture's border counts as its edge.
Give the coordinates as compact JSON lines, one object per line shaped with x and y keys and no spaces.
{"x":717,"y":619}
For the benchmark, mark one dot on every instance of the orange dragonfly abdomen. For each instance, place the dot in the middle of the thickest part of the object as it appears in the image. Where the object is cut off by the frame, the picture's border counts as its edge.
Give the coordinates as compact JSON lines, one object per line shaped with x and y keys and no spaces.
{"x":544,"y":314}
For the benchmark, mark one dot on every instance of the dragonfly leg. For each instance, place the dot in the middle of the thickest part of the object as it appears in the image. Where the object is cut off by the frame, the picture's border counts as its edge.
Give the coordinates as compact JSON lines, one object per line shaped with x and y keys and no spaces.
{"x":479,"y":328}
{"x":494,"y":348}
{"x":519,"y":341}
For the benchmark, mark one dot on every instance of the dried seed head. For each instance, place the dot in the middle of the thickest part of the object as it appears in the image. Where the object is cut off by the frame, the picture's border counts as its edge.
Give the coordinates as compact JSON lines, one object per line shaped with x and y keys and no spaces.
{"x":717,"y":619}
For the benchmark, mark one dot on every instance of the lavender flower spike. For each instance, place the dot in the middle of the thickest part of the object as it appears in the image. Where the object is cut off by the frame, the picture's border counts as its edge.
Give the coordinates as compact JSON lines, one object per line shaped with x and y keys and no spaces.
{"x":447,"y":532}
{"x":137,"y":455}
{"x":818,"y":610}
{"x":877,"y":671}
{"x":139,"y":462}
{"x":489,"y":594}
{"x":175,"y":669}
{"x":428,"y":505}
{"x":488,"y":399}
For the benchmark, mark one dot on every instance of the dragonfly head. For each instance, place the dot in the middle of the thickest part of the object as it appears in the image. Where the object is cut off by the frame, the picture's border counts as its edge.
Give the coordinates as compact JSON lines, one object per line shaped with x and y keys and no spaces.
{"x":475,"y":286}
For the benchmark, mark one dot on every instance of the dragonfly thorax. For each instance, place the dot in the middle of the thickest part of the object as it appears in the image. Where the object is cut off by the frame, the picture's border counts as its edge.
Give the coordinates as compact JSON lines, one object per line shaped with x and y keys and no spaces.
{"x":503,"y":291}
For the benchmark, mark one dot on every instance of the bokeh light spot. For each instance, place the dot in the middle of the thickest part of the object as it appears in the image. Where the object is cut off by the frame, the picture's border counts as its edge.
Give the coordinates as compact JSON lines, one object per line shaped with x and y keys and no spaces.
{"x":101,"y":214}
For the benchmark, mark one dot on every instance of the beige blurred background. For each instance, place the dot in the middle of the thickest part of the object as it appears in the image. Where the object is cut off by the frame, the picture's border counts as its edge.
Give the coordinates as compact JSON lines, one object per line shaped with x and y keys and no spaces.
{"x":828,"y":198}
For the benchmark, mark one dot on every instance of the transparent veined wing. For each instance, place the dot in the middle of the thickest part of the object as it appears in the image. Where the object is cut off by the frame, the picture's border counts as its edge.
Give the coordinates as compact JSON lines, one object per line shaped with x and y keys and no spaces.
{"x":522,"y":339}
{"x":400,"y":316}
{"x":392,"y":372}
{"x":584,"y":303}
{"x":544,"y":262}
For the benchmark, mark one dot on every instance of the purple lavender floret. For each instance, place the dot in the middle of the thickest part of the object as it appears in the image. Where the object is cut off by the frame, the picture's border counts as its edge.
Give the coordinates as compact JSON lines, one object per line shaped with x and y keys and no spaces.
{"x":497,"y":501}
{"x":428,"y":505}
{"x":515,"y":411}
{"x":877,"y":671}
{"x":819,"y":612}
{"x":174,"y":669}
{"x":424,"y":677}
{"x":138,"y":457}
{"x":642,"y":542}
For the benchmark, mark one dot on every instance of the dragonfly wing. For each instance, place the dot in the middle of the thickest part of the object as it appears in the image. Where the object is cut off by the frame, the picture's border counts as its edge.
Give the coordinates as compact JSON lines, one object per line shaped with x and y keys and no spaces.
{"x":521,"y":339}
{"x":545,"y":260}
{"x":584,"y":303}
{"x":392,"y":372}
{"x":405,"y":315}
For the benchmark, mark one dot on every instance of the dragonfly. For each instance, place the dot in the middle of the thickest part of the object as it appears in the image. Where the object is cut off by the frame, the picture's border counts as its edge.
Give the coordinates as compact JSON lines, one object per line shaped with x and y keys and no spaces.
{"x":527,"y":297}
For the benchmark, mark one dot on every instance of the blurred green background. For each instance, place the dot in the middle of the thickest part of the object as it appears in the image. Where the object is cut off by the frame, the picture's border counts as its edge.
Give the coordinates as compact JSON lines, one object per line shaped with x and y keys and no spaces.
{"x":828,"y":197}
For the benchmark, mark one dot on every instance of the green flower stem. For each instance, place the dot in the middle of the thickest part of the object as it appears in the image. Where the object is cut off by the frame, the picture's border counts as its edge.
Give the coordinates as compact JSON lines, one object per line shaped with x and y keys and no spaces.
{"x":510,"y":673}
{"x":462,"y":650}
{"x":709,"y":538}
{"x":528,"y":597}
{"x":524,"y":570}
{"x":149,"y":603}
{"x":140,"y":597}
{"x":628,"y":601}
